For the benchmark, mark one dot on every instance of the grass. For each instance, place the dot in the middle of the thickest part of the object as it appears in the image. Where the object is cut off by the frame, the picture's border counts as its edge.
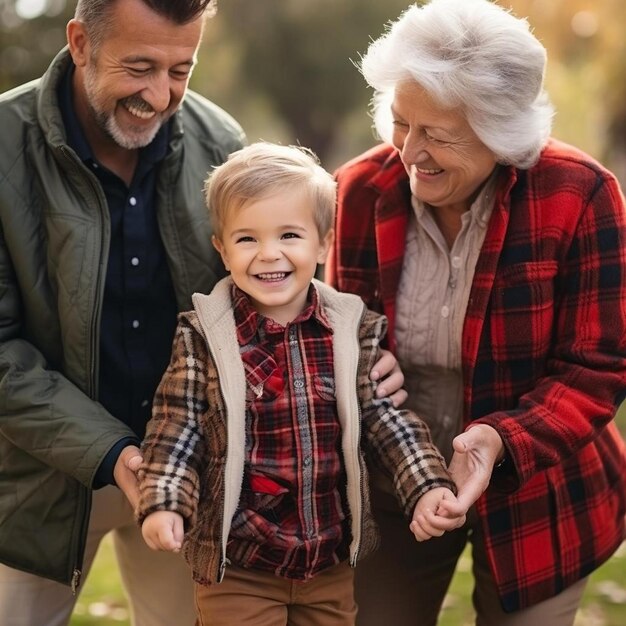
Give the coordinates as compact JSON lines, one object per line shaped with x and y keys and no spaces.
{"x":102,"y":601}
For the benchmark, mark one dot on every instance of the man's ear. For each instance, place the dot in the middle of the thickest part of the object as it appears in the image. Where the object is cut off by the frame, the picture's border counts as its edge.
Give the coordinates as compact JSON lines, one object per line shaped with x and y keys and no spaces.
{"x":78,"y":42}
{"x":325,"y":245}
{"x":219,"y":246}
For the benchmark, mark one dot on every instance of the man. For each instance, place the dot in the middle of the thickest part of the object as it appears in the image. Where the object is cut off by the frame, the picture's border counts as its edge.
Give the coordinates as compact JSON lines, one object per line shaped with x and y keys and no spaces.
{"x":104,"y":236}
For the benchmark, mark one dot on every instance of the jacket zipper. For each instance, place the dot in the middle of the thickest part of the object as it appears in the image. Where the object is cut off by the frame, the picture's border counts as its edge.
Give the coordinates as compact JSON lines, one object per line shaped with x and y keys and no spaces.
{"x":357,"y":547}
{"x":92,"y":378}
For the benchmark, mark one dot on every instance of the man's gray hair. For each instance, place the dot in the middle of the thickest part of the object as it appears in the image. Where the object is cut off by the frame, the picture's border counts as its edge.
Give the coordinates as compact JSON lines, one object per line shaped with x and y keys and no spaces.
{"x":474,"y":55}
{"x":96,"y":14}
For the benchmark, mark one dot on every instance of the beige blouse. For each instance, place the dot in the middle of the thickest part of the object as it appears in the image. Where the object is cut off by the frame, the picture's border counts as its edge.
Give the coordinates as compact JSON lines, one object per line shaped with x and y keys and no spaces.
{"x":431,"y":302}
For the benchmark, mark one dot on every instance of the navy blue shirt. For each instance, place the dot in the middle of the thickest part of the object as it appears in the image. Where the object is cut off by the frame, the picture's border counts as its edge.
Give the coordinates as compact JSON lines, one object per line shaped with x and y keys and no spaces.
{"x":139,"y":307}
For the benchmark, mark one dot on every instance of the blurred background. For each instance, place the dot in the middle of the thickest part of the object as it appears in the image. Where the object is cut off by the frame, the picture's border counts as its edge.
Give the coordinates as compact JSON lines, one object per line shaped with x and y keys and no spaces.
{"x":286,"y":70}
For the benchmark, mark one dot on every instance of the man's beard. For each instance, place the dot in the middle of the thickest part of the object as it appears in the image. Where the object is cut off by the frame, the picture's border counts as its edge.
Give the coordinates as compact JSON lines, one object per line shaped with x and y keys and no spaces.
{"x":107,"y":122}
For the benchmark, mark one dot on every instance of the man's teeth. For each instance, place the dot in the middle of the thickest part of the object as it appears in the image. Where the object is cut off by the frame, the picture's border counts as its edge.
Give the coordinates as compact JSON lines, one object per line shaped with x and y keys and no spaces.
{"x":140,"y":113}
{"x":272,"y":276}
{"x":422,"y":170}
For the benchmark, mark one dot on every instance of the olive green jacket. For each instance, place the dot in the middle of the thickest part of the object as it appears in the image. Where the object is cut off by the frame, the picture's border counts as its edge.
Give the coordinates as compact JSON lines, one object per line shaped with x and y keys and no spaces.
{"x":54,"y":241}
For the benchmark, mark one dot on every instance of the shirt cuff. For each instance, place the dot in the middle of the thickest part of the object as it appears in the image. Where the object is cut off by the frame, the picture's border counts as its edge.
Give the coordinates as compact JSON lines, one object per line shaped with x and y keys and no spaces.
{"x":104,"y":473}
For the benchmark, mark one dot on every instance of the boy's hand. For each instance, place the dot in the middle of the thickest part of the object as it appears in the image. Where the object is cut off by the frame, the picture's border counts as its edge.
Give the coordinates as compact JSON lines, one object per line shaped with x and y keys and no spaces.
{"x":429,"y":519}
{"x":163,"y":530}
{"x":387,"y":371}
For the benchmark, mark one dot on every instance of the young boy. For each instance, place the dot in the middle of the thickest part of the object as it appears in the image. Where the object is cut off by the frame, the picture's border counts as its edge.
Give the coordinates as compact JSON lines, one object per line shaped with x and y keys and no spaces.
{"x":253,"y":455}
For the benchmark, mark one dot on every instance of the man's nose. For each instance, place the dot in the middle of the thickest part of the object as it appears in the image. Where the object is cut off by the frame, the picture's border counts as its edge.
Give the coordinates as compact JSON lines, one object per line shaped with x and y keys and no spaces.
{"x":157,"y":93}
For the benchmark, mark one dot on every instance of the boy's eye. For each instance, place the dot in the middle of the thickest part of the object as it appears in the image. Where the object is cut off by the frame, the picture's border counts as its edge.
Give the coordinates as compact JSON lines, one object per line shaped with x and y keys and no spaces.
{"x":244,"y":239}
{"x":291,"y":236}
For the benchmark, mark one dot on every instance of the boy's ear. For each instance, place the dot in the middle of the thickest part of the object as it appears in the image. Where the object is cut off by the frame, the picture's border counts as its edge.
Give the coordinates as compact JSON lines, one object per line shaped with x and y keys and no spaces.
{"x":219,"y":246}
{"x":325,"y":245}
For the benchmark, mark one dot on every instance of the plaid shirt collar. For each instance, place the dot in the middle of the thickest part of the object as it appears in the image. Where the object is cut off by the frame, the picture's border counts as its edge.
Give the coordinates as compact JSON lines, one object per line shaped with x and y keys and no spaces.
{"x":249,"y":321}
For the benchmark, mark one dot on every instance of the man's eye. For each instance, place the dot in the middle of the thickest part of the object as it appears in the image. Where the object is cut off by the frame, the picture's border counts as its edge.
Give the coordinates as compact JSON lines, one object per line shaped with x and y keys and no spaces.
{"x":180,"y":74}
{"x":399,"y":124}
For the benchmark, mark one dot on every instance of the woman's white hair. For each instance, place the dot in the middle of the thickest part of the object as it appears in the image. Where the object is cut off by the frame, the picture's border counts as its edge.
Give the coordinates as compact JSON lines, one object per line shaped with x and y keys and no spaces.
{"x":474,"y":55}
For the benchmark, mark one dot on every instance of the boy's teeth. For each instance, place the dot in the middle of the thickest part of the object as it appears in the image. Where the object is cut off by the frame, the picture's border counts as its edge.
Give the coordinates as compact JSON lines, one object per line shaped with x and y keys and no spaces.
{"x":272,"y":276}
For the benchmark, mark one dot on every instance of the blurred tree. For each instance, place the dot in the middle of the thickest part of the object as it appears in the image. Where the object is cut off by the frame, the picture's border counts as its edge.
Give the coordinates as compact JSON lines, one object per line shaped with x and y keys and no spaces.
{"x":299,"y":57}
{"x":31,"y":32}
{"x":586,"y":75}
{"x":285,"y":68}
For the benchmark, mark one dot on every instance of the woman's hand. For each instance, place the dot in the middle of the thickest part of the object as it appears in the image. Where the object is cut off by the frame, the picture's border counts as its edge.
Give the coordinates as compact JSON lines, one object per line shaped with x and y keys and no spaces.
{"x":387,"y":371}
{"x":476,"y":451}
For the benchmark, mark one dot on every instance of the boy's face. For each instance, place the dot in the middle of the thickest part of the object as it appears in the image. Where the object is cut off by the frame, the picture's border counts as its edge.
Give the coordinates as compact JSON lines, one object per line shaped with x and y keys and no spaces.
{"x":271,"y":248}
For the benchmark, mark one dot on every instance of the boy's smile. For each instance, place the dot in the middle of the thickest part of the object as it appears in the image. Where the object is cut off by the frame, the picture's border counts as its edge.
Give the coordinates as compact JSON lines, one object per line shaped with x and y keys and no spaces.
{"x":271,"y":246}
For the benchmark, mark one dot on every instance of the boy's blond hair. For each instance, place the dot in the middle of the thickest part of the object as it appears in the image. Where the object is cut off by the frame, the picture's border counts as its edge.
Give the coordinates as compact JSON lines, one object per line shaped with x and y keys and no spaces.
{"x":263,"y":168}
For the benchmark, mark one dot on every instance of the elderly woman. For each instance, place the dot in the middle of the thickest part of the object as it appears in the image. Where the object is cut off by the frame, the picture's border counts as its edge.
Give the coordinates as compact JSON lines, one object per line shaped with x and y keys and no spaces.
{"x":499,"y":257}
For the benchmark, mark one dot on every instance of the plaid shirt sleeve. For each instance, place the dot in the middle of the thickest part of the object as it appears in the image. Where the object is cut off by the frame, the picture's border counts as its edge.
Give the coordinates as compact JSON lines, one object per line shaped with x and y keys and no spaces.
{"x":173,"y":448}
{"x":397,"y":441}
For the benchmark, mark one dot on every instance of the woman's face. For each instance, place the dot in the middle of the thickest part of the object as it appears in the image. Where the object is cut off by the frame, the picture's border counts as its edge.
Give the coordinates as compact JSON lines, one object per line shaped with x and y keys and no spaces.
{"x":446,"y":162}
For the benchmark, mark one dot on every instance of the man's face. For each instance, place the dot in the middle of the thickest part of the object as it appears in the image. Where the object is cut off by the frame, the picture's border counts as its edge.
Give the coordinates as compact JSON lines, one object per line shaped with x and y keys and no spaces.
{"x":133,"y":82}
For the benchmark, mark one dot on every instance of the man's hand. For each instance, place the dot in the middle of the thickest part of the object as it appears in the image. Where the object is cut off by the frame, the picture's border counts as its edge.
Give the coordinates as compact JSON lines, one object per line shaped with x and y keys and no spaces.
{"x":125,"y":473}
{"x":388,"y":372}
{"x":476,"y":451}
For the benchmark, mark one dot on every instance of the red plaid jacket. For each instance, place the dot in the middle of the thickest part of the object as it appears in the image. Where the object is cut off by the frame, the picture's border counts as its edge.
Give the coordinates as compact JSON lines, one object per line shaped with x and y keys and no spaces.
{"x":543,"y":349}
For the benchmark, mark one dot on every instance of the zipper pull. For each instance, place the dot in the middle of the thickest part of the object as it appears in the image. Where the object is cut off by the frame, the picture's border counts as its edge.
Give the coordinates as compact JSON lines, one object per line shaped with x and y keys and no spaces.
{"x":76,"y":574}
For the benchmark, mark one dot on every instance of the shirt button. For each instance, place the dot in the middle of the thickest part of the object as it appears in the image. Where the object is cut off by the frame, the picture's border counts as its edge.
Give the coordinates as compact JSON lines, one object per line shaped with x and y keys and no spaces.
{"x":307,"y":461}
{"x":132,"y":201}
{"x":144,"y":403}
{"x":134,"y":261}
{"x":135,"y":323}
{"x":445,"y":311}
{"x":456,"y":261}
{"x":298,"y":384}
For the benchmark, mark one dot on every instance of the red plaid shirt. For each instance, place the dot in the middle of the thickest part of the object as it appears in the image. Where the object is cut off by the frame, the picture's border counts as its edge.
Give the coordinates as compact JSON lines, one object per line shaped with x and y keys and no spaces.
{"x":290,"y":520}
{"x":543,"y":350}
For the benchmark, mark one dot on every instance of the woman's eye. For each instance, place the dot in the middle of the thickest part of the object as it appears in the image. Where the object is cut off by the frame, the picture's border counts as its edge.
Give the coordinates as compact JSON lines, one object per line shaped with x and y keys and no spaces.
{"x":435,"y":140}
